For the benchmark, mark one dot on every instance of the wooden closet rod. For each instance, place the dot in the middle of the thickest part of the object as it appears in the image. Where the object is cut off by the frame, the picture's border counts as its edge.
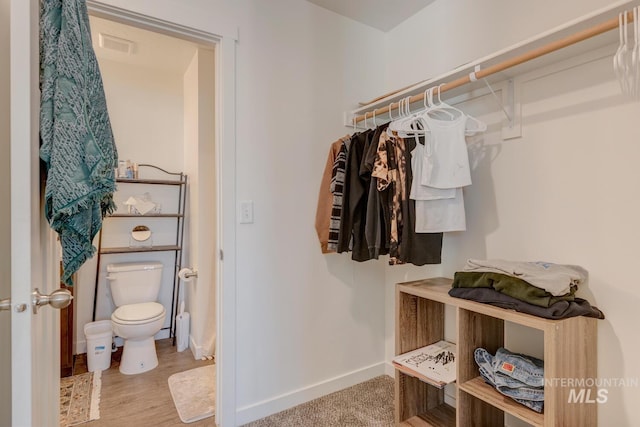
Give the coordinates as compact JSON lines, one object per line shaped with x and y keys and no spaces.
{"x":493,"y":69}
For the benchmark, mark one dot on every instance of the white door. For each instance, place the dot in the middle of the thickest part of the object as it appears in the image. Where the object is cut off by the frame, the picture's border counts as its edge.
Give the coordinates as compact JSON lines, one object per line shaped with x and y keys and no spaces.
{"x":35,"y":350}
{"x":5,"y":226}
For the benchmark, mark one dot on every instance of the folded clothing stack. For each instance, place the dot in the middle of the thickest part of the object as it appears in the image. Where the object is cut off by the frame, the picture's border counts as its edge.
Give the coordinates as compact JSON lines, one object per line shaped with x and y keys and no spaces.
{"x":539,"y":288}
{"x":517,"y":376}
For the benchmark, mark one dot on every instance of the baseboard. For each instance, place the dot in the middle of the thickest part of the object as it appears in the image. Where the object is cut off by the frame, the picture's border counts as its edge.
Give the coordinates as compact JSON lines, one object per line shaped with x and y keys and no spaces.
{"x":196,"y":350}
{"x":389,"y":369}
{"x":162,"y":334}
{"x":81,"y":347}
{"x":256,"y":411}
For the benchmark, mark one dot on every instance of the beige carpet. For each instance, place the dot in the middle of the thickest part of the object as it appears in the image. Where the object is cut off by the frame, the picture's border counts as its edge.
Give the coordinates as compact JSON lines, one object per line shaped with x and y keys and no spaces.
{"x":368,"y":404}
{"x":80,"y":398}
{"x":194,"y":393}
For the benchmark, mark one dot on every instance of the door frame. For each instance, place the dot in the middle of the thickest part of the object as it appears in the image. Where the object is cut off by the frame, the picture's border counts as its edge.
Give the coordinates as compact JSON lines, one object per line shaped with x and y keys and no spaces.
{"x":224,"y":38}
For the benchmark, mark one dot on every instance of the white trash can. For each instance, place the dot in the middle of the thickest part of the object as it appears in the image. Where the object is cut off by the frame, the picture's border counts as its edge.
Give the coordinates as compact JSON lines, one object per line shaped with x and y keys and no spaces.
{"x":99,"y":338}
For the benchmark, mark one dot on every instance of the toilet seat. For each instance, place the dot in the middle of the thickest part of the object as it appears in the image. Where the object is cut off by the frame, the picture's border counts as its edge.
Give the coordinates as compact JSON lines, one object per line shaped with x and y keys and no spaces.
{"x":137,"y":314}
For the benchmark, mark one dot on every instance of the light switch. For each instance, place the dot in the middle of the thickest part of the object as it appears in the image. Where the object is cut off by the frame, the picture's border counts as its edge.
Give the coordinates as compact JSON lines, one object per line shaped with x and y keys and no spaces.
{"x":246,"y":212}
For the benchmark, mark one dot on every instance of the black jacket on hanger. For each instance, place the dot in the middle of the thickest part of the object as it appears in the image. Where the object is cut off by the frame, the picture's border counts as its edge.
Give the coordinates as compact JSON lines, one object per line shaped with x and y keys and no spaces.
{"x":377,"y":221}
{"x":354,"y":201}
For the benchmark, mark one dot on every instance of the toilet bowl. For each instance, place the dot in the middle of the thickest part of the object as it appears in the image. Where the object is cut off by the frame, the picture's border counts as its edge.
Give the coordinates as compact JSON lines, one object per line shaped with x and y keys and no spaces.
{"x":137,"y":324}
{"x":138,"y":317}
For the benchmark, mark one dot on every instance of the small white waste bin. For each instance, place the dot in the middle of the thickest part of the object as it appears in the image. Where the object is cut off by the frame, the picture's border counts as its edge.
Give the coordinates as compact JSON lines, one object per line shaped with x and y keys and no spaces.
{"x":99,"y":338}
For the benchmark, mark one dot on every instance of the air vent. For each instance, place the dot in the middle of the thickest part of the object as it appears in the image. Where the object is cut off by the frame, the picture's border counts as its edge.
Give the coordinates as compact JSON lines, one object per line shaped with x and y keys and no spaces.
{"x":117,"y":44}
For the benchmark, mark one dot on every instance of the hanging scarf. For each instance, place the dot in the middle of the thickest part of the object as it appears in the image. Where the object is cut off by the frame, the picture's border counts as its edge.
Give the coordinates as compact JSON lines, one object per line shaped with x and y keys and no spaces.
{"x":75,"y":133}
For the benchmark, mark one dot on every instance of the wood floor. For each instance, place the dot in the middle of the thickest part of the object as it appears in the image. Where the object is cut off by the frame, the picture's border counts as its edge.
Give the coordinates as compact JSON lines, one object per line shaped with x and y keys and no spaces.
{"x":144,"y":399}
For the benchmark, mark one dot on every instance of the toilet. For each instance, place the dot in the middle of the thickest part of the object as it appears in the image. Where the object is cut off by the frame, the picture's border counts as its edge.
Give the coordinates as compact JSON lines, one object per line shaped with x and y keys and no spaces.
{"x":138,"y":317}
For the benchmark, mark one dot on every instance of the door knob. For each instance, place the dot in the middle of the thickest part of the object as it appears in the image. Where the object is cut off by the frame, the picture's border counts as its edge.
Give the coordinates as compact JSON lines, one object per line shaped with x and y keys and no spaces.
{"x":60,"y":298}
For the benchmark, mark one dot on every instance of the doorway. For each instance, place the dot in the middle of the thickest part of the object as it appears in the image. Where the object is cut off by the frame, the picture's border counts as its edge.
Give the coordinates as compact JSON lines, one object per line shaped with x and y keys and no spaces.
{"x":161,"y":100}
{"x":34,"y":389}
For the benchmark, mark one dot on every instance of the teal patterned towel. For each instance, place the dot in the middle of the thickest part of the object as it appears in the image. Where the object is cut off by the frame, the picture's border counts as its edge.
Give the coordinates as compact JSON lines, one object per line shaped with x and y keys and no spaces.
{"x":76,"y":139}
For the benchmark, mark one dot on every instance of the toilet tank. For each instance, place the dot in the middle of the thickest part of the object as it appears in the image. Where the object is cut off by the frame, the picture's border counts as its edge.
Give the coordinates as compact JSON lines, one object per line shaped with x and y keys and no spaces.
{"x":134,"y":282}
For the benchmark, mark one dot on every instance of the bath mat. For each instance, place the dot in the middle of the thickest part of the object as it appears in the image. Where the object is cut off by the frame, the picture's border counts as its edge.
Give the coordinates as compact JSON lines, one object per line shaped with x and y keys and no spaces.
{"x":194,"y":393}
{"x":80,"y":398}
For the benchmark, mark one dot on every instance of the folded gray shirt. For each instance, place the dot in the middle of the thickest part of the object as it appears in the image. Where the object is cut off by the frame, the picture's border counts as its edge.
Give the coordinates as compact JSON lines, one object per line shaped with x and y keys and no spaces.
{"x":556,"y":279}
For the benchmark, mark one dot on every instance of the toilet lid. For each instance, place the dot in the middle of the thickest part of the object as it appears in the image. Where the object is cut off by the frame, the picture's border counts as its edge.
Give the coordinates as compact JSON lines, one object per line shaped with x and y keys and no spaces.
{"x":138,"y":312}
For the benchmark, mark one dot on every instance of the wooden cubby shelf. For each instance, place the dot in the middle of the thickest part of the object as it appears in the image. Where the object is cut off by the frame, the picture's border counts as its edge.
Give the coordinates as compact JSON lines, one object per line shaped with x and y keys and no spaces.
{"x":483,"y":391}
{"x":570,"y":351}
{"x":441,"y":415}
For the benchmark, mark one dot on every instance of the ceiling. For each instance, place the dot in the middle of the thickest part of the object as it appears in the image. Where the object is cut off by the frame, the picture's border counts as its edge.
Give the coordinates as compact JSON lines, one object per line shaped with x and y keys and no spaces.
{"x":149,"y":49}
{"x":161,"y":52}
{"x":381,"y":14}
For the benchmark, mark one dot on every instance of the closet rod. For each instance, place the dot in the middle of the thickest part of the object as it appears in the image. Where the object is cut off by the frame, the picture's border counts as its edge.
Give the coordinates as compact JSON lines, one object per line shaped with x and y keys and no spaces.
{"x":493,"y":69}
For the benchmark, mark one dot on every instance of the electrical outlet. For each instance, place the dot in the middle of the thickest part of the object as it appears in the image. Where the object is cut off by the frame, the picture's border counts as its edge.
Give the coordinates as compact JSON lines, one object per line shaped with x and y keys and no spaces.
{"x":246,"y":212}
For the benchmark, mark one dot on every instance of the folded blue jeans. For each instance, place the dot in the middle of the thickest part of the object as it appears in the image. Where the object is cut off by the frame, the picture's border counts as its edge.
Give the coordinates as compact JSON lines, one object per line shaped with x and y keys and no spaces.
{"x":535,"y":405}
{"x":519,"y":367}
{"x":492,"y":370}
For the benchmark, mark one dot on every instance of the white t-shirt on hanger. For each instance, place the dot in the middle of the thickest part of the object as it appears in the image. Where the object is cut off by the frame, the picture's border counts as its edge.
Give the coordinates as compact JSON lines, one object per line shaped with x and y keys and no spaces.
{"x":446,"y":160}
{"x":437,"y":209}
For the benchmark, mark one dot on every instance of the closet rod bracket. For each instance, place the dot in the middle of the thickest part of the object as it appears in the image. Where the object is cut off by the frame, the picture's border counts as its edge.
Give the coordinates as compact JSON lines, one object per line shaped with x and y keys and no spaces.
{"x":509,"y":103}
{"x":501,"y":103}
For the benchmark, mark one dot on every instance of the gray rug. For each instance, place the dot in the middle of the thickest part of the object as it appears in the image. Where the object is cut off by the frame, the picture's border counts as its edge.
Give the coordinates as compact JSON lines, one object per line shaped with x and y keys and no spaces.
{"x":368,"y":404}
{"x":194,"y":393}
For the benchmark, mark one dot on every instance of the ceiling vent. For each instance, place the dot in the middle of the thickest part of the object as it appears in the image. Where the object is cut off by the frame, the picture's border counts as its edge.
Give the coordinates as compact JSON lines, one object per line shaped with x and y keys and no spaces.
{"x":117,"y":44}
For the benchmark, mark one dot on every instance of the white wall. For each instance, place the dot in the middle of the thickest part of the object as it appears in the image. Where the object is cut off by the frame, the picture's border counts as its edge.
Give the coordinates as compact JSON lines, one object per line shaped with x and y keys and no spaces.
{"x":146,"y":113}
{"x":303,"y":318}
{"x":5,"y":214}
{"x":447,"y":34}
{"x":201,"y":219}
{"x":565,"y":191}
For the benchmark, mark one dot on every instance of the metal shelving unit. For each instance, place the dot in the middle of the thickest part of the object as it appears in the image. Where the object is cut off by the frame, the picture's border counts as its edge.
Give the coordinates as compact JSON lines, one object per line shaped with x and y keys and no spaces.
{"x":176,"y":179}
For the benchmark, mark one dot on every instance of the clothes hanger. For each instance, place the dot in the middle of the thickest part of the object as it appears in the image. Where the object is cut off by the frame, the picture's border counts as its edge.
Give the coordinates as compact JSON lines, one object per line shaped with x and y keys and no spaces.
{"x":407,"y":116}
{"x":392,"y":120}
{"x":414,"y":125}
{"x":395,"y":125}
{"x":450,"y":111}
{"x":617,"y":66}
{"x":626,"y":57}
{"x":410,"y":125}
{"x":635,"y":56}
{"x":472,"y":124}
{"x":621,"y":60}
